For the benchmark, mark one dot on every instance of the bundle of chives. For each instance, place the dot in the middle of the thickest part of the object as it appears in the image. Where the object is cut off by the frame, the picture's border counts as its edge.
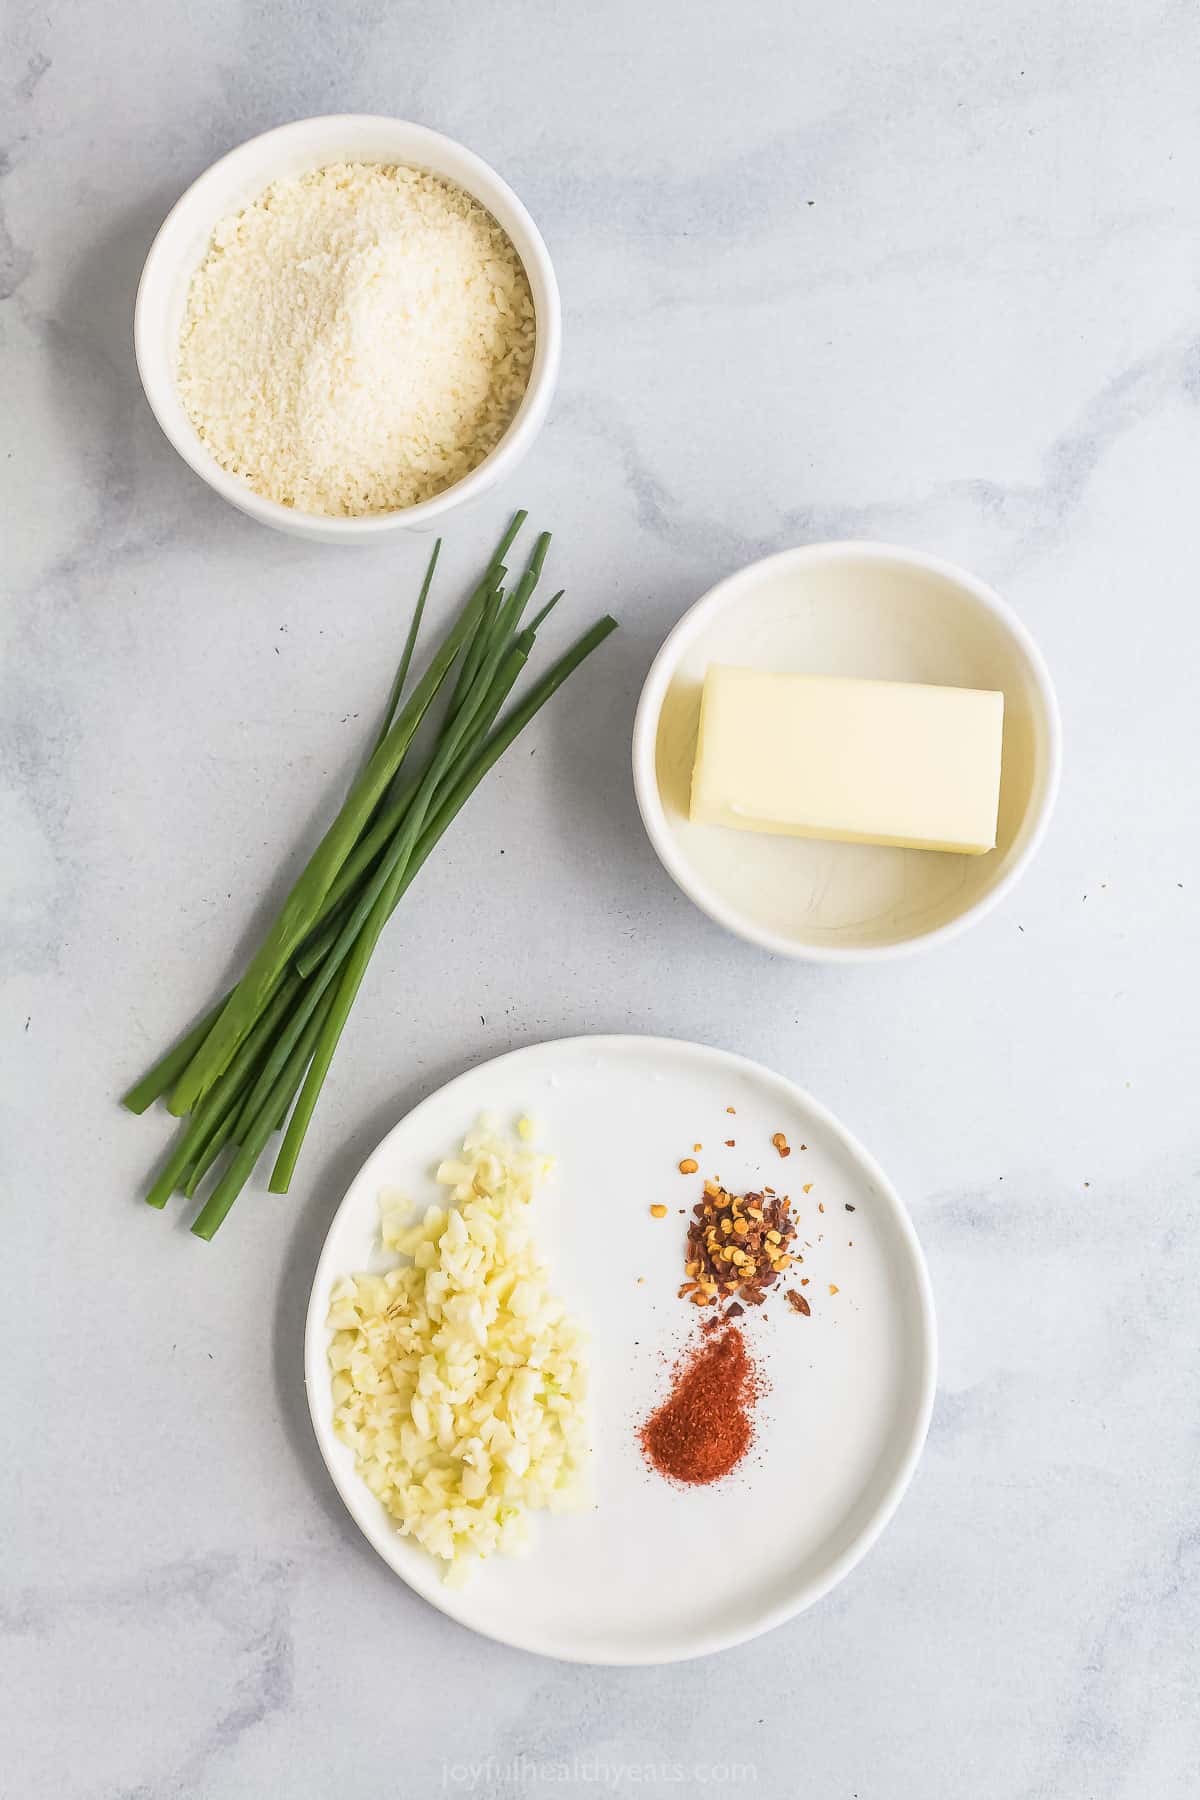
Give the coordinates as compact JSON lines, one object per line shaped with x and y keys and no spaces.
{"x":237,"y":1074}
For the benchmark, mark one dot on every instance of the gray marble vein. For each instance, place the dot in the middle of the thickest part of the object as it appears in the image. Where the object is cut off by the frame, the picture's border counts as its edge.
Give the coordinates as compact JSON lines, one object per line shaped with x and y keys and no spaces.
{"x":925,"y":272}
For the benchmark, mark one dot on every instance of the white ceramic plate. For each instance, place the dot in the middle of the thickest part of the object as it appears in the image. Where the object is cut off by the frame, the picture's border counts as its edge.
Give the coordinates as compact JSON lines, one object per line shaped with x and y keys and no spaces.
{"x":655,"y":1572}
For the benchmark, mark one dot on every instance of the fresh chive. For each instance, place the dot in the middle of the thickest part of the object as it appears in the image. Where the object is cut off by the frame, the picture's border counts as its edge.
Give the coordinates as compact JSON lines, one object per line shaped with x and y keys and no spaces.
{"x":271,"y":1041}
{"x":539,"y":619}
{"x":405,"y":871}
{"x":477,"y":648}
{"x":168,"y":1068}
{"x":493,"y":580}
{"x":410,"y":644}
{"x":209,"y":1151}
{"x":302,"y":906}
{"x":336,"y":1014}
{"x":383,"y":827}
{"x":390,"y":817}
{"x":506,"y":542}
{"x":510,"y":727}
{"x":208,"y":1220}
{"x":531,"y":577}
{"x":220,"y":1104}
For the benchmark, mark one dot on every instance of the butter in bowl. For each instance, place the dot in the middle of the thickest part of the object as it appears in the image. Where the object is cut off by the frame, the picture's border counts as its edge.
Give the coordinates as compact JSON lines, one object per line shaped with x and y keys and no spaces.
{"x":863,"y":762}
{"x":847,"y":752}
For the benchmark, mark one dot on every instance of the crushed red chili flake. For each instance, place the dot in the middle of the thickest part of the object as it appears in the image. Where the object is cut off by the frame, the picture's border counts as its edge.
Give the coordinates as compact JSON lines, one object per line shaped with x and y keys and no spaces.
{"x":781,"y":1144}
{"x":798,"y":1303}
{"x":704,"y":1428}
{"x":737,"y":1246}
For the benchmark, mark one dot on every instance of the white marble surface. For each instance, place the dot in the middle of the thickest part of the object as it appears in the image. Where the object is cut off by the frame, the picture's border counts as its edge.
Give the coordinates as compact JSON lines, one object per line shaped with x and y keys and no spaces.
{"x":923,"y":272}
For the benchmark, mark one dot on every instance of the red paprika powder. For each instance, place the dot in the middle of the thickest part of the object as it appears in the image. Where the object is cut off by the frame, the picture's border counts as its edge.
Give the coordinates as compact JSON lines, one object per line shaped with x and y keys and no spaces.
{"x":704,"y":1427}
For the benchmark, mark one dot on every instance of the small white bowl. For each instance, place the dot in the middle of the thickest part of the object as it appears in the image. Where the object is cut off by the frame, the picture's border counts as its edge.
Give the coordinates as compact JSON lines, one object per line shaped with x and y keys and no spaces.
{"x":231,"y":184}
{"x":878,"y":612}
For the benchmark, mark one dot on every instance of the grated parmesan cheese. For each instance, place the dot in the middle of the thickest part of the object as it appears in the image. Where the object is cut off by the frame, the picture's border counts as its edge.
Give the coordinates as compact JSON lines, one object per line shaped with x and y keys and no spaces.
{"x":356,"y":340}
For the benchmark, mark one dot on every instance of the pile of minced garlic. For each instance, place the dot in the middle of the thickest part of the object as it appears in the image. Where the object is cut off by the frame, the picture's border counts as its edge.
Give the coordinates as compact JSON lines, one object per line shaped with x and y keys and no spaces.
{"x":356,"y":340}
{"x":459,"y":1380}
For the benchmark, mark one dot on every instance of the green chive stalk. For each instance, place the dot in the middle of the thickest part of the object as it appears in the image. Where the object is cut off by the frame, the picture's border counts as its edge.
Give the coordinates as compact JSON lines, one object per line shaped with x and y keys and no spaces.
{"x":211,"y":1215}
{"x":406,"y":870}
{"x":264,"y":1051}
{"x":302,"y":907}
{"x":221,"y":1103}
{"x":410,"y":644}
{"x":169,"y":1068}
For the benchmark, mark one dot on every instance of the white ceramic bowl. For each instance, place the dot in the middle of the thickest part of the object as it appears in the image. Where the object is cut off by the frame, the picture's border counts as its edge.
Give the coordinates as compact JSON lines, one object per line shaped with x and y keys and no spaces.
{"x":882,"y":613}
{"x":231,"y":184}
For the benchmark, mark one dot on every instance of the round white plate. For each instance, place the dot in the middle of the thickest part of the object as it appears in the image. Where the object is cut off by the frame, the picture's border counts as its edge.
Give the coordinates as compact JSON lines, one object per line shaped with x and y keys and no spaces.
{"x":655,"y":1572}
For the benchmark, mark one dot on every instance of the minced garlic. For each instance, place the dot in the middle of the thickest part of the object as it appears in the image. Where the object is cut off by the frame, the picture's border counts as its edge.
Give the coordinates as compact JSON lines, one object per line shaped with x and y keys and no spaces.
{"x":459,"y":1379}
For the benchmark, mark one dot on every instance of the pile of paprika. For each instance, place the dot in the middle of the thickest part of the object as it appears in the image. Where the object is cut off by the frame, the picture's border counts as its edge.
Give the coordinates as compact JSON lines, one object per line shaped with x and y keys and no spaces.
{"x":704,"y":1427}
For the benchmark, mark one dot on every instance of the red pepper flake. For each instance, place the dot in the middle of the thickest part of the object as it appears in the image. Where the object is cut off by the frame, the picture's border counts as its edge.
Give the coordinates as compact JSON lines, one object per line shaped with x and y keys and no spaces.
{"x":704,"y":1427}
{"x":808,"y":1187}
{"x":833,"y":1289}
{"x":730,"y":1143}
{"x":798,"y":1303}
{"x":738,"y":1245}
{"x":731,"y":1109}
{"x":781,"y":1144}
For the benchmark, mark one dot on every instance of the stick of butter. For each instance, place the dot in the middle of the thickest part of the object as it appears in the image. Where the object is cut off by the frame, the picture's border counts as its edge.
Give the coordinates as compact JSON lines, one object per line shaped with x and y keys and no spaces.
{"x":867,"y":762}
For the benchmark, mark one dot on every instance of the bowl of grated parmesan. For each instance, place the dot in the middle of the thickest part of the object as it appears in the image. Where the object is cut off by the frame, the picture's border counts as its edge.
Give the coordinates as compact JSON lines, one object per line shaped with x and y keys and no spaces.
{"x":349,"y":326}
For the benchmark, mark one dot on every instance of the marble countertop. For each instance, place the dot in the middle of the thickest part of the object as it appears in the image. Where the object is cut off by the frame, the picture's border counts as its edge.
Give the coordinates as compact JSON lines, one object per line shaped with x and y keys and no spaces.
{"x":925,"y":273}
